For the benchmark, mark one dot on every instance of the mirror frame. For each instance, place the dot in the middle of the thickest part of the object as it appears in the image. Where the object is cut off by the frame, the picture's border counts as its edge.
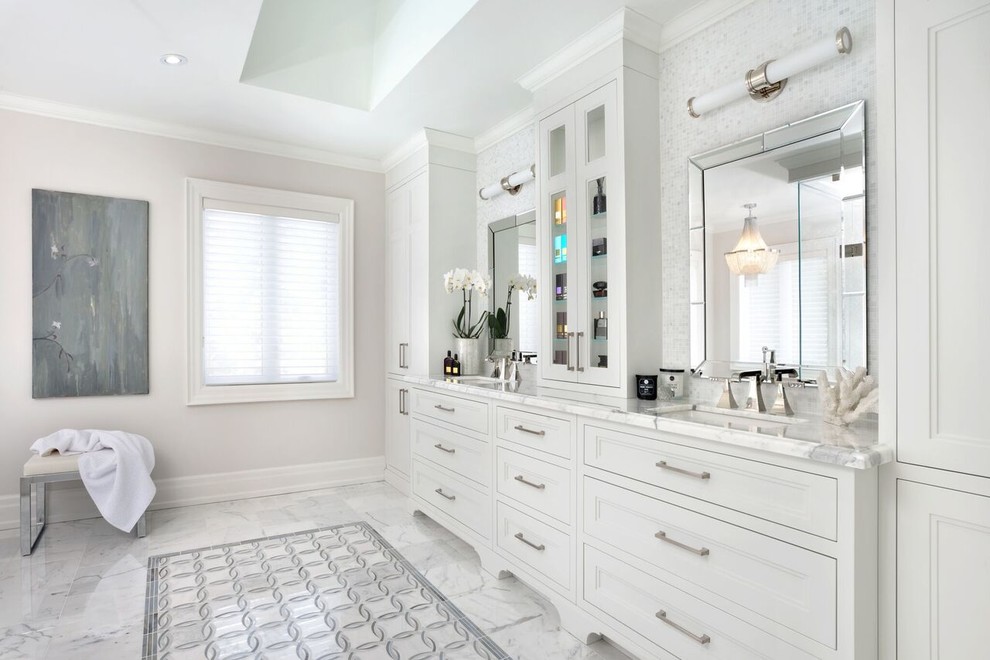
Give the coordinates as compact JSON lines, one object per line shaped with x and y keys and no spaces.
{"x":495,"y":226}
{"x":831,"y":121}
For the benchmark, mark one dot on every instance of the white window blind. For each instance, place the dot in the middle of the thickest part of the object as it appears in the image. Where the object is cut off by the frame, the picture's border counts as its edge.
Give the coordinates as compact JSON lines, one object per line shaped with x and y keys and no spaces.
{"x":271,"y":298}
{"x":770,"y":309}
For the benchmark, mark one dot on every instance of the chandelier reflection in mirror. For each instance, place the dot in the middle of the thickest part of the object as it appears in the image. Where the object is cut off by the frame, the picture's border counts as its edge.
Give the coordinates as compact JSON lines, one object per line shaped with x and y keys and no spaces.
{"x":751,"y":256}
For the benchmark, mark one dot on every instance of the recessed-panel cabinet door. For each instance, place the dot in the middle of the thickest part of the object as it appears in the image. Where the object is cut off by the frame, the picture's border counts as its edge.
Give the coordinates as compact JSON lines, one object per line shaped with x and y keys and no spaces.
{"x":943,"y":319}
{"x":397,"y":426}
{"x":943,"y":573}
{"x":397,"y":265}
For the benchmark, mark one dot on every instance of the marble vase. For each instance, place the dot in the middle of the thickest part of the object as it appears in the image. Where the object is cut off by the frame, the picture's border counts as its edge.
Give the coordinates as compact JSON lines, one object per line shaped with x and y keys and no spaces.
{"x":501,"y":347}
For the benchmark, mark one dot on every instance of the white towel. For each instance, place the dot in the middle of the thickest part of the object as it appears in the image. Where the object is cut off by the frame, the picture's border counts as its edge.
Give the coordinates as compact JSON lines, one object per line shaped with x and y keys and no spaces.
{"x":115,"y":468}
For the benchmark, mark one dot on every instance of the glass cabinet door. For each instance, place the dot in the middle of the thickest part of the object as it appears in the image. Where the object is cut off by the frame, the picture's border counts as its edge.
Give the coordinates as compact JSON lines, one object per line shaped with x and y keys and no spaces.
{"x":558,"y":241}
{"x":597,"y":338}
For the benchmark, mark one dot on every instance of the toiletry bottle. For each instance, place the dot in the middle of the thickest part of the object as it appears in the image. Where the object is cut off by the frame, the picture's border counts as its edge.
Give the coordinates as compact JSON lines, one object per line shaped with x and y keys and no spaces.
{"x":601,"y":326}
{"x":448,"y":365}
{"x":455,"y":366}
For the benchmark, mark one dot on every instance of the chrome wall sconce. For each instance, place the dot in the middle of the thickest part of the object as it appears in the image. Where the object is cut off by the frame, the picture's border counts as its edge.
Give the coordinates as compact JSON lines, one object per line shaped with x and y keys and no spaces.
{"x":509,"y":184}
{"x":766,"y":81}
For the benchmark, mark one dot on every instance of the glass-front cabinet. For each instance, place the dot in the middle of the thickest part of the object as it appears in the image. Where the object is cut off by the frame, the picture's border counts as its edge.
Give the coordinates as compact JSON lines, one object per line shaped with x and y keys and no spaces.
{"x":578,"y":149}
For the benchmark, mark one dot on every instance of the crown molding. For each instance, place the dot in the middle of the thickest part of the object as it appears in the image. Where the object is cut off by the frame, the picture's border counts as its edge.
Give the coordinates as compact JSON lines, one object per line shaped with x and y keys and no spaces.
{"x":623,"y":24}
{"x":692,"y":21}
{"x":68,"y":112}
{"x":422,"y":138}
{"x":505,"y":128}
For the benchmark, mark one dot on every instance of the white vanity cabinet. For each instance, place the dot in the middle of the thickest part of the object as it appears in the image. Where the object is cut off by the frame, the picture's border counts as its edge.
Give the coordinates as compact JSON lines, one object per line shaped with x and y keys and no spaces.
{"x":428,"y":195}
{"x":597,"y":173}
{"x":671,"y":544}
{"x":452,"y":463}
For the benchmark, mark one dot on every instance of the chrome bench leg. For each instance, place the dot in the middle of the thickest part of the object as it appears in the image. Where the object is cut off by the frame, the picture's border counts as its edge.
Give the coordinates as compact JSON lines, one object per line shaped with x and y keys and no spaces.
{"x":26,"y":541}
{"x":142,"y":526}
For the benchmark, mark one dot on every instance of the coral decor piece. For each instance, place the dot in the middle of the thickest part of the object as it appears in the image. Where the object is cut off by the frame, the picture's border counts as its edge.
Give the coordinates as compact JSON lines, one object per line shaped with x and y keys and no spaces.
{"x":854,"y":394}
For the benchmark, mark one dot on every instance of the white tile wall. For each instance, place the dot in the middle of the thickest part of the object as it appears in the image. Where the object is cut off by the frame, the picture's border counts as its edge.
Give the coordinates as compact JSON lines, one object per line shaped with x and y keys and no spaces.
{"x":717,"y":55}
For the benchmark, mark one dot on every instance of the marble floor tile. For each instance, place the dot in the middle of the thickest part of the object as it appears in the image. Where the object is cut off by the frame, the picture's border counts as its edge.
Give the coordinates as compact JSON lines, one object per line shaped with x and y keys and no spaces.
{"x":81,"y":592}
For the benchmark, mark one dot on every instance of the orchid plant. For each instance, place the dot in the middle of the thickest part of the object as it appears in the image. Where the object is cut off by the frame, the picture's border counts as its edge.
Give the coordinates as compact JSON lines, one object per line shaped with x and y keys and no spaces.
{"x":498,"y":323}
{"x":467,"y":282}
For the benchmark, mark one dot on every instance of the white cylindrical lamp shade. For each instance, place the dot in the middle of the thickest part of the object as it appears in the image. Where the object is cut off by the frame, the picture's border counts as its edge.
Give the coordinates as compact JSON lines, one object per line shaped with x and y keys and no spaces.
{"x":699,"y":105}
{"x":809,"y":57}
{"x":511,"y":181}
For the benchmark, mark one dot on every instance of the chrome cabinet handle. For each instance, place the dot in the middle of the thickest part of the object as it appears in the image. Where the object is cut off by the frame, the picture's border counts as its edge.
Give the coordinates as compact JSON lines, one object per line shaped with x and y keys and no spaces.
{"x":702,"y":552}
{"x":520,"y":427}
{"x":577,"y":350}
{"x":402,"y":356}
{"x":439,"y":491}
{"x":402,"y":402}
{"x":439,"y":407}
{"x":698,"y":475}
{"x":442,"y":448}
{"x":522,"y":538}
{"x":522,"y":479}
{"x":701,"y":639}
{"x":569,"y":367}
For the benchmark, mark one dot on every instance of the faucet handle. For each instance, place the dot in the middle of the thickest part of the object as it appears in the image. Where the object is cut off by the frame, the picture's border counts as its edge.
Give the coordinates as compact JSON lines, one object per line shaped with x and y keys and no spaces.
{"x":769,"y":355}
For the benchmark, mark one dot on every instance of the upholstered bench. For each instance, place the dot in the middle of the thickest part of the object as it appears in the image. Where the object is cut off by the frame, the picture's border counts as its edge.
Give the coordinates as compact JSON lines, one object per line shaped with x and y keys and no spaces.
{"x":40,"y":471}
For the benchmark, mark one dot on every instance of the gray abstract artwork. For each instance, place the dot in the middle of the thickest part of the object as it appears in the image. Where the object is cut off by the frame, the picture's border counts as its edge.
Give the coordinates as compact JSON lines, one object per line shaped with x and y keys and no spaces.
{"x":90,"y":290}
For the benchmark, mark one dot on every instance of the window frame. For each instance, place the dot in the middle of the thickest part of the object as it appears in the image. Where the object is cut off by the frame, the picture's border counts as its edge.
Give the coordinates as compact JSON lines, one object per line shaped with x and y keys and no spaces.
{"x":197,"y":392}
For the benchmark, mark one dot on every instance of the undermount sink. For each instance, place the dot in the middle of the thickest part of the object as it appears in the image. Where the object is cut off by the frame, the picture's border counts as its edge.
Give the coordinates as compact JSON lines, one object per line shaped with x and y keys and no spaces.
{"x":732,"y":419}
{"x":476,"y":380}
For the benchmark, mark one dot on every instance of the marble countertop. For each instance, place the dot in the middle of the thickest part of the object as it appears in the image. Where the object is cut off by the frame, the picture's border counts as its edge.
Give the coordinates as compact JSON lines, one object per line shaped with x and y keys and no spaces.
{"x":809,"y":437}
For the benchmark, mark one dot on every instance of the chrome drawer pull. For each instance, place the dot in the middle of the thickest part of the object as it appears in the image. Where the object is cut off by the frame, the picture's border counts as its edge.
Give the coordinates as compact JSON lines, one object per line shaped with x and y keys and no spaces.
{"x":701,"y":639}
{"x":703,"y":552}
{"x":699,"y":475}
{"x":522,"y":538}
{"x":442,"y":448}
{"x":439,"y":407}
{"x":439,"y":491}
{"x":520,"y":427}
{"x":521,"y":479}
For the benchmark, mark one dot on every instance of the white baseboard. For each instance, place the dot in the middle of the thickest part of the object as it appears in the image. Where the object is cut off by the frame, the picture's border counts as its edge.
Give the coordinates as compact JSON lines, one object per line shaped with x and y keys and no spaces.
{"x":70,"y":501}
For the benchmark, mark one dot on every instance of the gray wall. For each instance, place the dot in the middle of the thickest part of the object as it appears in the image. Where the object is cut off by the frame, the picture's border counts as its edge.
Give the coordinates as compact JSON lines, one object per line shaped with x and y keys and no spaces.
{"x":54,"y":154}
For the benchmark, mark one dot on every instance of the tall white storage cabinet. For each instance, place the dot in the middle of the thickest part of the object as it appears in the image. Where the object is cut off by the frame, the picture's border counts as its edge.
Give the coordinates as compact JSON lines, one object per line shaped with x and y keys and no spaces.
{"x":430,"y":229}
{"x":599,"y":227}
{"x":941,"y":481}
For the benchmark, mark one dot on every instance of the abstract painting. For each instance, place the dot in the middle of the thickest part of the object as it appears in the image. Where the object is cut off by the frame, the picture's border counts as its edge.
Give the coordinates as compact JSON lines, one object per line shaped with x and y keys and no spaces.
{"x":90,"y":290}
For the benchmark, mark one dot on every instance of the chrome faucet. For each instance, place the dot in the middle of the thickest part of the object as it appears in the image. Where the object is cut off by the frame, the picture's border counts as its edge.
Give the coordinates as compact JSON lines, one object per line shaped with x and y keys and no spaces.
{"x":769,"y":385}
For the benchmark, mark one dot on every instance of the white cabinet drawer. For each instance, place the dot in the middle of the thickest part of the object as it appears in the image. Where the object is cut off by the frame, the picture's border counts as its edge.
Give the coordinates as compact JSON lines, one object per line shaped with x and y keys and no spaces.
{"x":779,"y":581}
{"x":459,"y":453}
{"x":793,"y":498}
{"x":453,"y":496}
{"x":472,"y":415}
{"x":690,"y":628}
{"x":536,"y":483}
{"x":541,"y":547}
{"x":549,"y":434}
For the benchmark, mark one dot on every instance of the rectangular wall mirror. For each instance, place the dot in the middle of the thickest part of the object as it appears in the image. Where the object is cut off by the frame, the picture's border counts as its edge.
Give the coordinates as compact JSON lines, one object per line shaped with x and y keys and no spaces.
{"x":778,"y":248}
{"x":511,"y":251}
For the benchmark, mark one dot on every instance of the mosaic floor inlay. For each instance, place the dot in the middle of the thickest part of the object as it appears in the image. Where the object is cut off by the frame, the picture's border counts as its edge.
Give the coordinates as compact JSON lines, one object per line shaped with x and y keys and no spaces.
{"x":336,"y":592}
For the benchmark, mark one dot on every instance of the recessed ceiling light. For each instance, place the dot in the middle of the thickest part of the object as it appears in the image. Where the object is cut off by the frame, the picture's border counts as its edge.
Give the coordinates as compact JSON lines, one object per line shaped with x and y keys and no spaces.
{"x":173,"y":59}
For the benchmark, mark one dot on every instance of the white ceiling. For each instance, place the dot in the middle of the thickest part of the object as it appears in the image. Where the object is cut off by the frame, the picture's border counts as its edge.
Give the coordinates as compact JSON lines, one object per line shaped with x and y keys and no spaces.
{"x":103,"y":55}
